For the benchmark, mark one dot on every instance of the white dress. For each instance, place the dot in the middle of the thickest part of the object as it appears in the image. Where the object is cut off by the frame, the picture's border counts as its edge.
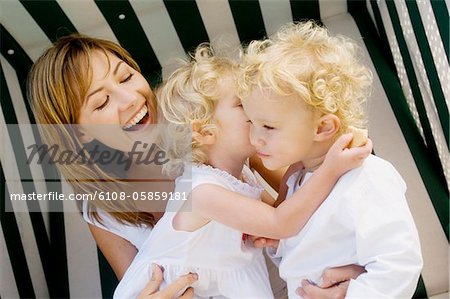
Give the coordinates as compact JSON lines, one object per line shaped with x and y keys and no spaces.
{"x":365,"y":220}
{"x":226,"y":267}
{"x":136,"y":235}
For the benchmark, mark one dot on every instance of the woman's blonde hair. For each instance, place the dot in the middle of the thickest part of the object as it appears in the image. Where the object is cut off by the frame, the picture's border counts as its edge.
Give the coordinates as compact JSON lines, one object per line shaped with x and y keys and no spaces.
{"x":303,"y":60}
{"x":187,"y":100}
{"x":57,"y":87}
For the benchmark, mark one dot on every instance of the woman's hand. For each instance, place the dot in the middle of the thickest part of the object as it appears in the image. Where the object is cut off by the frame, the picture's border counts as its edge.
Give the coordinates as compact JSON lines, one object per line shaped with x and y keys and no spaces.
{"x":333,"y":283}
{"x":151,"y":290}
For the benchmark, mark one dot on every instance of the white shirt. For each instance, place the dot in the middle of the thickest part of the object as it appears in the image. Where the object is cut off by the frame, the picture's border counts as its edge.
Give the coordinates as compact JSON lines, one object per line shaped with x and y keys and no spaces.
{"x":226,"y":267}
{"x":365,"y":220}
{"x":136,"y":235}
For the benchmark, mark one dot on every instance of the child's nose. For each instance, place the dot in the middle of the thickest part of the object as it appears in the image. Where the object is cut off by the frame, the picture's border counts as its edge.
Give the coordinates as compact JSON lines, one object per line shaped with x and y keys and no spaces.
{"x":255,"y":137}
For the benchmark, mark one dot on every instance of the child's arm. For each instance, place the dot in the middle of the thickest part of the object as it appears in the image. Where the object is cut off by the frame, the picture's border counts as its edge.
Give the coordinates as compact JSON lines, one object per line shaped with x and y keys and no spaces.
{"x":256,"y":218}
{"x":387,"y":242}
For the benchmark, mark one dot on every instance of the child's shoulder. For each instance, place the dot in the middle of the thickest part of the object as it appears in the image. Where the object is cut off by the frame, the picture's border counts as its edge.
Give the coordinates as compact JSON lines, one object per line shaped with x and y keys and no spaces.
{"x":205,"y":174}
{"x":374,"y":173}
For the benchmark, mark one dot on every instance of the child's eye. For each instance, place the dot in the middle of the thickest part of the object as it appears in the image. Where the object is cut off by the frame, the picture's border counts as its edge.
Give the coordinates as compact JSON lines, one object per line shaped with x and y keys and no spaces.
{"x":249,"y":121}
{"x":268,"y":127}
{"x":128,"y":78}
{"x":105,"y":103}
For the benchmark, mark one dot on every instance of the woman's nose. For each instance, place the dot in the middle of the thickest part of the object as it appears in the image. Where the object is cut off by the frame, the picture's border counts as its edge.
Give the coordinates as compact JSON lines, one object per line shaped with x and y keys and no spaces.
{"x":126,"y":98}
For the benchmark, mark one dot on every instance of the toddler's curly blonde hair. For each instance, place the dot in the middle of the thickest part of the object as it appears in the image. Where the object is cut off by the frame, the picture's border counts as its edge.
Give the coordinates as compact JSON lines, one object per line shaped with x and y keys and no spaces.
{"x":302,"y":59}
{"x":188,"y":99}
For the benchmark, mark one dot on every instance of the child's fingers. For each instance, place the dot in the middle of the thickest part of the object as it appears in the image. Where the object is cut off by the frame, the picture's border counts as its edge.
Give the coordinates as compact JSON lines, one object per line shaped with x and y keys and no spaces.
{"x":363,"y":151}
{"x":343,"y":141}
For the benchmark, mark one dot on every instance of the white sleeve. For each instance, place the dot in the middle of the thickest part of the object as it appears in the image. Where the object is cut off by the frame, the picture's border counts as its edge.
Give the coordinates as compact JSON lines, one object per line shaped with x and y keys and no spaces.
{"x":387,"y":242}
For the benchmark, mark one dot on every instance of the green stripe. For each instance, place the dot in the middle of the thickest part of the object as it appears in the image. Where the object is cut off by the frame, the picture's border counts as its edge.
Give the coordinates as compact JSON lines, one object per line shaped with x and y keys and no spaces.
{"x":24,"y":171}
{"x":382,"y":33}
{"x":436,"y":190}
{"x":430,"y":67}
{"x":442,"y":19}
{"x":248,"y":19}
{"x":305,"y":10}
{"x":50,"y":17}
{"x":21,"y":63}
{"x":131,"y":36}
{"x":14,"y":243}
{"x":413,"y":82}
{"x":108,"y":279}
{"x":421,"y":291}
{"x":188,"y":23}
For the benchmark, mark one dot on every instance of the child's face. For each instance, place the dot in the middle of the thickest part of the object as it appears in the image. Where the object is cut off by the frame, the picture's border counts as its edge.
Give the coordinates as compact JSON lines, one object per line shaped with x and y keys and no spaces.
{"x":282,"y":128}
{"x":234,"y":128}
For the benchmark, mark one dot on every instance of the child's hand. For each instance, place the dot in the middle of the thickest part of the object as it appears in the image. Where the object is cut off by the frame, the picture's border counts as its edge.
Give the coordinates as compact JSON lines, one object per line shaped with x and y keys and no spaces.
{"x":341,"y":159}
{"x":261,"y":242}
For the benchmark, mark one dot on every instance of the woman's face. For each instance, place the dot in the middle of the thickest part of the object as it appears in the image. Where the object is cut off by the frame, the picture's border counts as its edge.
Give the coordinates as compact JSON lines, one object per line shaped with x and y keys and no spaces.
{"x":118,"y":104}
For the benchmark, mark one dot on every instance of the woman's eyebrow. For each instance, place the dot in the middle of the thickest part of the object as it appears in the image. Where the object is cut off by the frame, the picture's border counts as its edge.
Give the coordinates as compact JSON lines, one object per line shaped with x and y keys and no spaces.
{"x":116,"y":69}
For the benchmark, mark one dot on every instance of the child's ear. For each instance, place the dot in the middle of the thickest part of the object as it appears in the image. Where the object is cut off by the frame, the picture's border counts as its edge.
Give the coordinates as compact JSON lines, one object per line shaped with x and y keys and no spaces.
{"x":205,"y":136}
{"x":328,"y":126}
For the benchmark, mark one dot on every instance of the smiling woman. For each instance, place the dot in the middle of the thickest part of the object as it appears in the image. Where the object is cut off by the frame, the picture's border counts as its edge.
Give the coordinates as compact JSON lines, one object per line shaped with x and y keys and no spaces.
{"x":53,"y":254}
{"x":92,"y":99}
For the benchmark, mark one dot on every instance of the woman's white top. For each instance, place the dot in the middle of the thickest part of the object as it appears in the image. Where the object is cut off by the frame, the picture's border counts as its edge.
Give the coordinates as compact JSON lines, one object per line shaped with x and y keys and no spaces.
{"x":136,"y":235}
{"x":365,"y":220}
{"x":225,"y":265}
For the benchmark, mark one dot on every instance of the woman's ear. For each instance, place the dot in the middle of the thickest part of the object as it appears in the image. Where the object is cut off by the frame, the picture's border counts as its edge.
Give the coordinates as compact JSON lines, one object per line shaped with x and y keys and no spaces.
{"x":328,"y":126}
{"x":83,"y":135}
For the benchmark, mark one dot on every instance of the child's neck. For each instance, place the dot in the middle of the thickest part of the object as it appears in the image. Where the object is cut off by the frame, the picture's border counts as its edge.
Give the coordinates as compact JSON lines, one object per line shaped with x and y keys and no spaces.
{"x":232,"y":166}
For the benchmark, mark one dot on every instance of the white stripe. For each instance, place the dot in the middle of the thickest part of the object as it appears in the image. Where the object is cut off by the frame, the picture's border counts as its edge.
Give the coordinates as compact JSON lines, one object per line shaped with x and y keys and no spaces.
{"x":87,"y":18}
{"x":275,"y":14}
{"x":161,"y":34}
{"x":424,"y":84}
{"x":82,"y":258}
{"x":8,"y":286}
{"x":24,"y":29}
{"x":220,"y":26}
{"x":24,"y":223}
{"x":398,"y":60}
{"x":26,"y":132}
{"x":330,"y":8}
{"x":394,"y":148}
{"x":436,"y":46}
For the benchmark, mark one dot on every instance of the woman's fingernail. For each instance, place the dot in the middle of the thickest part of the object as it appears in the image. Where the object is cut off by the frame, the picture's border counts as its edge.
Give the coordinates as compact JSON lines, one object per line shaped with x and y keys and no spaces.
{"x":195,"y":275}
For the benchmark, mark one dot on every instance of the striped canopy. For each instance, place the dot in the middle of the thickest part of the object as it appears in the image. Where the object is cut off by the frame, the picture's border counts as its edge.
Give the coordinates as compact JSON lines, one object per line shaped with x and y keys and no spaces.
{"x":405,"y":42}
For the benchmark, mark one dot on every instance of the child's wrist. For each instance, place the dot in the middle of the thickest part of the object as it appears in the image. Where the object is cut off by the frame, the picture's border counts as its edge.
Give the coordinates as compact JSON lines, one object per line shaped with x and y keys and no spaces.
{"x":327,"y":172}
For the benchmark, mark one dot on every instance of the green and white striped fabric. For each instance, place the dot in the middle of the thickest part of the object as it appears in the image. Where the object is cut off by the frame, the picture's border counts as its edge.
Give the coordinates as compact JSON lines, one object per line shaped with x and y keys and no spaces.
{"x":406,"y":43}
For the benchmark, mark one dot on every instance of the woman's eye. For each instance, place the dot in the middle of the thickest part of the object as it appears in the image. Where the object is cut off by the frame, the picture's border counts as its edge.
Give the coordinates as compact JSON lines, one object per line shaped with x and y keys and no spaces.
{"x":268,"y":127}
{"x":99,"y":108}
{"x":249,"y":121}
{"x":128,"y":78}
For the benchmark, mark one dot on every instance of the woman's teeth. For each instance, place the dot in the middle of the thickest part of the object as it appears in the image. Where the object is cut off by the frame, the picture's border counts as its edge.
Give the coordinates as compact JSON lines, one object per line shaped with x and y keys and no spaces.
{"x":137,"y":118}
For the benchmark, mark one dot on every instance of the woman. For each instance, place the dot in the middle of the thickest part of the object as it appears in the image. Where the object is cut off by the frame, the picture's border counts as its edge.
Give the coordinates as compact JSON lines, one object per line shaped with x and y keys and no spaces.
{"x":92,"y":93}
